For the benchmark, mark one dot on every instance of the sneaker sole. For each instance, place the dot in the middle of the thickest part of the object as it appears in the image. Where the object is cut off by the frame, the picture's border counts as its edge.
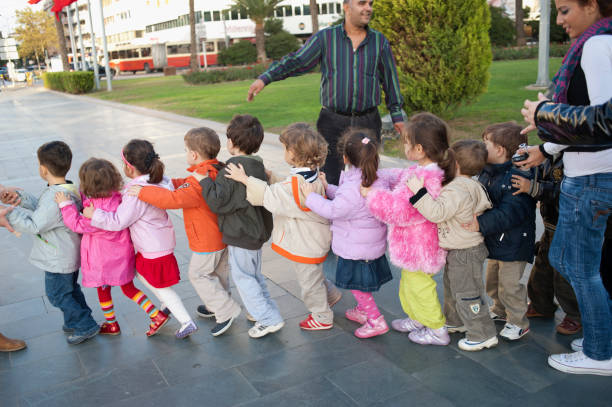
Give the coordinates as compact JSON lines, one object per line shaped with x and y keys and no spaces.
{"x":226,"y":327}
{"x":211,"y":315}
{"x":456,"y":330}
{"x":576,"y":370}
{"x":489,"y":343}
{"x":186,"y":335}
{"x":317,"y":328}
{"x":515,"y":339}
{"x":110,"y":333}
{"x":370,"y":336}
{"x":270,"y":331}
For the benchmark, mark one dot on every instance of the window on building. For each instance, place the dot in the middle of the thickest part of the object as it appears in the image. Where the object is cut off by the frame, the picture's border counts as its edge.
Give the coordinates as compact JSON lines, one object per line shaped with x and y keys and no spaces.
{"x":172,"y":49}
{"x":297,"y":10}
{"x":207,"y":16}
{"x":278,"y":12}
{"x":306,"y":10}
{"x":234,"y":14}
{"x":243,"y":13}
{"x":145,"y":52}
{"x":198,"y":16}
{"x":122,"y":54}
{"x":288,"y":11}
{"x":114,"y":54}
{"x":338,"y":8}
{"x":138,"y":34}
{"x":129,"y":53}
{"x":323,"y":8}
{"x":210,"y":46}
{"x":226,"y":15}
{"x":216,"y":16}
{"x":221,"y":45}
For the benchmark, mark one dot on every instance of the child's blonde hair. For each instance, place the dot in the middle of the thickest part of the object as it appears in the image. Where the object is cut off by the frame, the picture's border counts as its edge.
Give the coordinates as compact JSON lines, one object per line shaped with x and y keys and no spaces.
{"x":203,"y":141}
{"x":308,"y":147}
{"x":99,"y":178}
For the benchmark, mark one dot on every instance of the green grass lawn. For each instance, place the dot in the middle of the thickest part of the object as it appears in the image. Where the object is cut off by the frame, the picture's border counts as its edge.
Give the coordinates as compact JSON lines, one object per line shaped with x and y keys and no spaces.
{"x":297,"y":99}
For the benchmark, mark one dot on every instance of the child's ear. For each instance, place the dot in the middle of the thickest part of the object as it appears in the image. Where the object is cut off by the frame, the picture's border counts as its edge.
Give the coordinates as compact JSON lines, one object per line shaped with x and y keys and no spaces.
{"x":501,"y":151}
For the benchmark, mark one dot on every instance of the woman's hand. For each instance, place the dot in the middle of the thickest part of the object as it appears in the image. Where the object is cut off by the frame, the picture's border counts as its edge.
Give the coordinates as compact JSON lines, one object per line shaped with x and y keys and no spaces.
{"x":521,"y":184}
{"x":88,"y":211}
{"x":134,"y":190}
{"x":236,"y":173}
{"x":3,"y":221}
{"x":535,"y":157}
{"x":528,"y":112}
{"x":61,"y":197}
{"x":415,"y":183}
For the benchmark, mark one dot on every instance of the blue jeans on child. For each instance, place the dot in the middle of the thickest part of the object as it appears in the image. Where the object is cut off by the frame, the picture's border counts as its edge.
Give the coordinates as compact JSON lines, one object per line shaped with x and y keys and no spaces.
{"x":64,"y":292}
{"x":245,"y":267}
{"x":584,"y":207}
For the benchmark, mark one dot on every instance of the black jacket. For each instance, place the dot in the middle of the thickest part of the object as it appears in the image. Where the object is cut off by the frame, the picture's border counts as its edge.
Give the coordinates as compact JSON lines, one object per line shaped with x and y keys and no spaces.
{"x":509,"y":227}
{"x":575,"y":125}
{"x":241,"y":224}
{"x":546,"y":188}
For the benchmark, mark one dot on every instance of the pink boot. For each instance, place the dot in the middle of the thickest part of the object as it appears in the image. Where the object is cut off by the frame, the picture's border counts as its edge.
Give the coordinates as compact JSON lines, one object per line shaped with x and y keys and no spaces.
{"x":406,"y":325}
{"x":372,"y":327}
{"x":428,"y":336}
{"x":356,"y":315}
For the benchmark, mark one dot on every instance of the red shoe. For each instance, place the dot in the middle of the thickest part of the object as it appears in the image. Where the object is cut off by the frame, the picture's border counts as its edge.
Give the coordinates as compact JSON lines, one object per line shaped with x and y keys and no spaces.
{"x":569,"y":326}
{"x":110,"y":328}
{"x":310,"y":324}
{"x":157,"y":322}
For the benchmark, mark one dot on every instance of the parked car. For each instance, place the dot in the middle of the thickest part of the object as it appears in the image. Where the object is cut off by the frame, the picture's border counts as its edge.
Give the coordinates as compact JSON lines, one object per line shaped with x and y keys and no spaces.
{"x":20,"y":75}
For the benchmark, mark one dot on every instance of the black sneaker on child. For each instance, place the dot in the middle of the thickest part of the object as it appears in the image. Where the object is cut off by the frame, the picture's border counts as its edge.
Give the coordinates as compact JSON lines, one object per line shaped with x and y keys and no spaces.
{"x":225,"y":325}
{"x":203,"y":312}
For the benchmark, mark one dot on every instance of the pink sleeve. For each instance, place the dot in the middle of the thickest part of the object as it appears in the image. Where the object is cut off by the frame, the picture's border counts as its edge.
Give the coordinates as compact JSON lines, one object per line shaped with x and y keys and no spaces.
{"x":391,"y":207}
{"x":330,"y":191}
{"x":129,"y":211}
{"x":75,"y":221}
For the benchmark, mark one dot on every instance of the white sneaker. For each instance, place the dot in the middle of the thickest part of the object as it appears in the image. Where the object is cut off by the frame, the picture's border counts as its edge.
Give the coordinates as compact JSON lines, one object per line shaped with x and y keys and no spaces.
{"x":512,"y":332}
{"x":471,"y":346}
{"x":579,"y":363}
{"x":406,"y":325}
{"x":258,"y":330}
{"x":456,"y":329}
{"x":496,"y":318}
{"x":577,"y":344}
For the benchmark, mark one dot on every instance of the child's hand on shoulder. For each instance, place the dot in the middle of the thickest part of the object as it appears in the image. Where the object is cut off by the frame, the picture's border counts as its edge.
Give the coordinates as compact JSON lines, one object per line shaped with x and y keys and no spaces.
{"x":268,"y":173}
{"x":521,"y":184}
{"x":323,"y":179}
{"x":307,"y":188}
{"x":9,"y":195}
{"x":134,"y":190}
{"x":415,"y":183}
{"x":88,"y":211}
{"x":61,"y":197}
{"x":473,"y":226}
{"x":236,"y":173}
{"x":365,"y":190}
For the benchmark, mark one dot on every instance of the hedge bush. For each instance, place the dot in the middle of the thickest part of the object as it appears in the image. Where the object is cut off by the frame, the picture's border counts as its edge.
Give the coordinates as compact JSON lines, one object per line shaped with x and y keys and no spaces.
{"x":224,"y":74}
{"x":239,"y":53}
{"x":441,"y":47}
{"x":499,"y":53}
{"x":280,"y":44}
{"x":71,"y":82}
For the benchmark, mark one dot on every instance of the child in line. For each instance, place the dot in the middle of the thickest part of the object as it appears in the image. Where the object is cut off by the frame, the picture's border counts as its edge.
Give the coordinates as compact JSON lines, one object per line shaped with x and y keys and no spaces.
{"x":465,"y":306}
{"x":208,"y":268}
{"x":245,"y":227}
{"x":508,"y":229}
{"x":55,"y":248}
{"x":299,"y":234}
{"x":413,"y":240}
{"x":100,"y":183}
{"x":358,"y":239}
{"x":152,"y":234}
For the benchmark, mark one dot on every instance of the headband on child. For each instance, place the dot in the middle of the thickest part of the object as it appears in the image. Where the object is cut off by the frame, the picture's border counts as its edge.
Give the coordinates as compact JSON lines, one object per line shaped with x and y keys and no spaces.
{"x":126,"y":161}
{"x":365,"y":140}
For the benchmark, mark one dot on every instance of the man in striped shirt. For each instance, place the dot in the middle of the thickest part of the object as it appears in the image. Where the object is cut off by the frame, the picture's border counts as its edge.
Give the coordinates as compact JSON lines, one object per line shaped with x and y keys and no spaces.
{"x":355,"y":61}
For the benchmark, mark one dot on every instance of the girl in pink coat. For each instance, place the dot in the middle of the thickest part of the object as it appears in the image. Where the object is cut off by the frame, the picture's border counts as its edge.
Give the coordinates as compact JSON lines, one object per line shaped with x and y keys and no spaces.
{"x":413,"y":240}
{"x":107,"y":258}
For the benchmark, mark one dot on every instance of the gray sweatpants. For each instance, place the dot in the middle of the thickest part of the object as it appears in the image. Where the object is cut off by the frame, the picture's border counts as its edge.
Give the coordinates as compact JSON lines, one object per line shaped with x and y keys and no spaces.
{"x":505,"y":289}
{"x":464,"y":300}
{"x":314,"y":292}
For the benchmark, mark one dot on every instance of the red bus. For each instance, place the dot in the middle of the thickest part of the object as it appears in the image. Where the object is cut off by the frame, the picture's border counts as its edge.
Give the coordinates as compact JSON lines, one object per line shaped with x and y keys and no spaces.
{"x":135,"y":58}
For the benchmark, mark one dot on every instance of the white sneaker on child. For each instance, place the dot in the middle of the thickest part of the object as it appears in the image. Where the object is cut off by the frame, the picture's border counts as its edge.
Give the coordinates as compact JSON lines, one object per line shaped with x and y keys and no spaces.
{"x":579,"y":363}
{"x":513,"y":332}
{"x":406,"y":325}
{"x":471,"y":346}
{"x":258,"y":330}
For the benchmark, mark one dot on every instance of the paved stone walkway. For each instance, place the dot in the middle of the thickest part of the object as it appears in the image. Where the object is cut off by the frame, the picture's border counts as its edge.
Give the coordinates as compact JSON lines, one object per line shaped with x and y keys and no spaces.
{"x":291,"y":367}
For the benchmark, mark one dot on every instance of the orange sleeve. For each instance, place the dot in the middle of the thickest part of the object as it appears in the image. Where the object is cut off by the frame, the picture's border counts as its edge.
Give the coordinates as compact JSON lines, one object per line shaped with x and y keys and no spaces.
{"x":177,"y":182}
{"x":187,"y":197}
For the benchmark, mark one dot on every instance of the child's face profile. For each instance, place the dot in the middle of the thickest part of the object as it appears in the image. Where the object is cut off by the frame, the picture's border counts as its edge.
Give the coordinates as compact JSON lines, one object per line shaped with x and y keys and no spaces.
{"x":412,"y":152}
{"x":495,"y":152}
{"x":289,"y":156}
{"x":191,"y":156}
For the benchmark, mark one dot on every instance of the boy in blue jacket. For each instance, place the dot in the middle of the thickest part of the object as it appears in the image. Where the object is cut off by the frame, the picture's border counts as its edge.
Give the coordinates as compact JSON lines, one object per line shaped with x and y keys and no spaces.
{"x":508,"y":229}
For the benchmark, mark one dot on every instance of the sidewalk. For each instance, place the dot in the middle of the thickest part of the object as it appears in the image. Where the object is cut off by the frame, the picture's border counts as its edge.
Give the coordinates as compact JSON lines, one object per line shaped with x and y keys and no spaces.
{"x":292,"y":367}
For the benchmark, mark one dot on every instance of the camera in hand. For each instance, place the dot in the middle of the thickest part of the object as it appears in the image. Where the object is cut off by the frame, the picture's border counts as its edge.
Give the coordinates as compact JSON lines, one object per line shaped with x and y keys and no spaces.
{"x":517,"y":157}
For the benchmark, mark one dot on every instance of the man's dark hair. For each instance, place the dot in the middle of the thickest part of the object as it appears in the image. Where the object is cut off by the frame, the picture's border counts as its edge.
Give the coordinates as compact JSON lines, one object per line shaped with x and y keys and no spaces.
{"x":246,"y":133}
{"x":56,"y":157}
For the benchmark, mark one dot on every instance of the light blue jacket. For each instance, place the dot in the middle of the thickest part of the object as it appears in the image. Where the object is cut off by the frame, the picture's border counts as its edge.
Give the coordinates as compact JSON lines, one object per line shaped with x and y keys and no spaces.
{"x":55,"y":248}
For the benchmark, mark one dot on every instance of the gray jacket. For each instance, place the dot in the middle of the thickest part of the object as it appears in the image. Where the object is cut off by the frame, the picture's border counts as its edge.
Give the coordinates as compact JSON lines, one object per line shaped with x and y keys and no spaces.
{"x":55,"y":248}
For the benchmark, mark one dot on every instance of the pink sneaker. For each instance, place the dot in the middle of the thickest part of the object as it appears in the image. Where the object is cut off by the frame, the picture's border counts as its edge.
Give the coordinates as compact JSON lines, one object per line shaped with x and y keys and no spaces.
{"x":356,"y":315}
{"x":428,"y":336}
{"x":372,"y":327}
{"x":406,"y":325}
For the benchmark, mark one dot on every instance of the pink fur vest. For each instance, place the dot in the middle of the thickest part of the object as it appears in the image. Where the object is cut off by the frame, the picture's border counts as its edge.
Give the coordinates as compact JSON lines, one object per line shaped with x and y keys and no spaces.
{"x":413,"y":240}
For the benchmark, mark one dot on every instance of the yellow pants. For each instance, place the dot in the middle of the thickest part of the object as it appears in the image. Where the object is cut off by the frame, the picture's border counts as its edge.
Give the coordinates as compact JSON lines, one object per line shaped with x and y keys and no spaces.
{"x":420,"y":300}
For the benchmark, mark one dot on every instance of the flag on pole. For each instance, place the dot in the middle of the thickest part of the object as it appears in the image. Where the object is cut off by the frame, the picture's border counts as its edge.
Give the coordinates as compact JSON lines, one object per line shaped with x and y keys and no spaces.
{"x":34,"y":1}
{"x":58,"y":5}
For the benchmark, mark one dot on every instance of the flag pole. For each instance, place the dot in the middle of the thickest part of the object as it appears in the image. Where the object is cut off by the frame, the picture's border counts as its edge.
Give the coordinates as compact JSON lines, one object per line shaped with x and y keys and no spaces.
{"x":109,"y":85}
{"x":93,"y":48}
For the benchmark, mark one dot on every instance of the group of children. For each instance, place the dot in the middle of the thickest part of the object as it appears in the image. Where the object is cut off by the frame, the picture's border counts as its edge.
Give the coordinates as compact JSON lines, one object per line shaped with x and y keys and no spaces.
{"x":430,"y":216}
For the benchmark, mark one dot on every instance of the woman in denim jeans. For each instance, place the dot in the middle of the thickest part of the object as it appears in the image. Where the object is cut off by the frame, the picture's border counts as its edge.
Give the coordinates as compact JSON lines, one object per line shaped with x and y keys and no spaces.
{"x":586,"y":190}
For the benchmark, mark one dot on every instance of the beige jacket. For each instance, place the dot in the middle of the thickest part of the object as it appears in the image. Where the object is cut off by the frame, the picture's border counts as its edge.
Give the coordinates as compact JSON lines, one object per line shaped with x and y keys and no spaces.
{"x":299,"y":234}
{"x":458,"y":202}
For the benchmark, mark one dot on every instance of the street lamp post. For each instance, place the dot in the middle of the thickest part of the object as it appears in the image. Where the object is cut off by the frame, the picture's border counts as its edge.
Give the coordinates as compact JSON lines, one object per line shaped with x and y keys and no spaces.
{"x":72,"y":43}
{"x":544,"y":45}
{"x":93,"y":49}
{"x":109,"y":85}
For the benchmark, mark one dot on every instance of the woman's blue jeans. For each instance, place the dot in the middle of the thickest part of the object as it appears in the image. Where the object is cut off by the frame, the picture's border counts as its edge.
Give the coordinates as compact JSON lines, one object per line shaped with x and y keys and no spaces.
{"x":584,"y":207}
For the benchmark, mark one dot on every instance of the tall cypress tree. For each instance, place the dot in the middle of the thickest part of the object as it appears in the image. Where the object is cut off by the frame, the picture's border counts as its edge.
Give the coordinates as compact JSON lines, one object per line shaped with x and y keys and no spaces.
{"x":441,"y":47}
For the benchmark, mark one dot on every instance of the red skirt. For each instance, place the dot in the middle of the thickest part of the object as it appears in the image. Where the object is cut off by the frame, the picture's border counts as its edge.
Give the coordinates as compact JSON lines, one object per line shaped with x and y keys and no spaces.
{"x":160,"y":272}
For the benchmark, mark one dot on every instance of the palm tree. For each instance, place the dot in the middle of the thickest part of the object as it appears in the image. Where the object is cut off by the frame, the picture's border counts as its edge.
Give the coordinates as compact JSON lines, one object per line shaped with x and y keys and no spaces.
{"x":518,"y":19}
{"x":314,"y":16}
{"x":258,"y":11}
{"x":193,"y":61}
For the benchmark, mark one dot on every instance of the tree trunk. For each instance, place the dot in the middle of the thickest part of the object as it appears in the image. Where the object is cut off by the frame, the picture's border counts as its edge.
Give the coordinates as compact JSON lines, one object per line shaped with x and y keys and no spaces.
{"x":260,"y":42}
{"x":194,"y":60}
{"x":314,"y":16}
{"x":518,"y":19}
{"x":61,"y":39}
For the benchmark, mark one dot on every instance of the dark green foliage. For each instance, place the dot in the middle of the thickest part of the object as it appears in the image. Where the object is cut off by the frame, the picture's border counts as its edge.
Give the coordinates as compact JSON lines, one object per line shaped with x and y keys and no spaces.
{"x":557,"y":33}
{"x":273,"y":26}
{"x":224,"y":75}
{"x":280,"y":44}
{"x":71,"y":82}
{"x":239,"y":53}
{"x":502,"y":30}
{"x":441,"y":47}
{"x":556,"y":50}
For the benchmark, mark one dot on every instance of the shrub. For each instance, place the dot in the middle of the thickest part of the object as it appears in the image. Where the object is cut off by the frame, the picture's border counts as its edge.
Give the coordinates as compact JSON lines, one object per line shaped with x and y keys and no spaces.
{"x":499,"y":53}
{"x":224,"y":75}
{"x":71,"y":82}
{"x":280,"y":44}
{"x":441,"y":47}
{"x":241,"y":52}
{"x":273,"y":26}
{"x":502,"y":28}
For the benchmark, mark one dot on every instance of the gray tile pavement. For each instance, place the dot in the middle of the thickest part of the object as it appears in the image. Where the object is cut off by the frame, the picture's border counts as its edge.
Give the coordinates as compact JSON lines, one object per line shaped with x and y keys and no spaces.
{"x":292,"y":367}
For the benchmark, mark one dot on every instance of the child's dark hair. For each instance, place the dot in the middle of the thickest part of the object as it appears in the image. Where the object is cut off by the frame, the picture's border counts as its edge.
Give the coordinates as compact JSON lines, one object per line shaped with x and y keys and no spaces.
{"x":56,"y":157}
{"x":142,"y":156}
{"x":203,"y":141}
{"x":471,"y":155}
{"x":99,"y":178}
{"x":361,"y":148}
{"x":246,"y":133}
{"x":507,"y":135}
{"x":308,"y":147}
{"x":431,"y":133}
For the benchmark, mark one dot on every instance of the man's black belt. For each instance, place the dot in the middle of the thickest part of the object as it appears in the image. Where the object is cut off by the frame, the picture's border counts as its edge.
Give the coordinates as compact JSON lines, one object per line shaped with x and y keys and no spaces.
{"x":353,"y":114}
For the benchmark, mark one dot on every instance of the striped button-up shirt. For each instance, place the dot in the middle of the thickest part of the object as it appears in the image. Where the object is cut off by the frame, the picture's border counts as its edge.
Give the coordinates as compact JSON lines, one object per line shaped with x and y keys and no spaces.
{"x":350,"y":79}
